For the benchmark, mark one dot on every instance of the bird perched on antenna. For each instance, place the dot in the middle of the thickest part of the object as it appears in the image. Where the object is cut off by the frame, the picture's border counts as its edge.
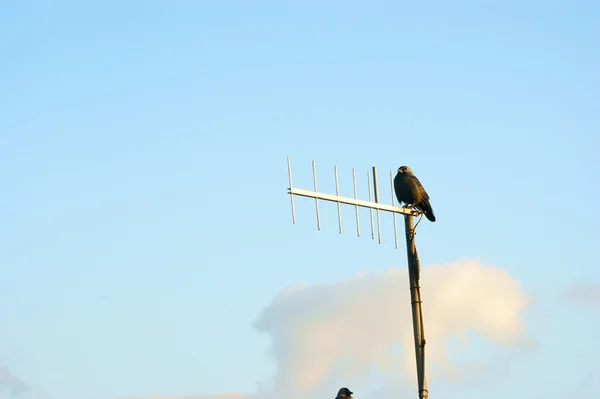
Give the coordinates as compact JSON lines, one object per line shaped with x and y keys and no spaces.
{"x":344,"y":393}
{"x":410,"y":191}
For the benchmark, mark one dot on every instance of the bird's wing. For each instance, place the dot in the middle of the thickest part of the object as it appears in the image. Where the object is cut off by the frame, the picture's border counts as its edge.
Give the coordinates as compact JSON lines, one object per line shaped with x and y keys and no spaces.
{"x":418,"y":186}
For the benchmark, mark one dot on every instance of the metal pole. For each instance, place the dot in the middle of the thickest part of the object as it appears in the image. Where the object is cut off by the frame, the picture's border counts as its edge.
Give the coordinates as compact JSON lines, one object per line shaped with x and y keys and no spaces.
{"x":415,"y":300}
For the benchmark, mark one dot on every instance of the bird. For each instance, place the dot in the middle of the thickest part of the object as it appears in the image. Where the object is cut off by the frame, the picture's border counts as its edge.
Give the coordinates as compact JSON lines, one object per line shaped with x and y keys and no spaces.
{"x":410,"y":191}
{"x":344,"y":393}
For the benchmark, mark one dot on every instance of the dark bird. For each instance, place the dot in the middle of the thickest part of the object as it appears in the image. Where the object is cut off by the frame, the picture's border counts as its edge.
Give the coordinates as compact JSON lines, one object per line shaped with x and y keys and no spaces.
{"x":344,"y":393}
{"x":410,"y":191}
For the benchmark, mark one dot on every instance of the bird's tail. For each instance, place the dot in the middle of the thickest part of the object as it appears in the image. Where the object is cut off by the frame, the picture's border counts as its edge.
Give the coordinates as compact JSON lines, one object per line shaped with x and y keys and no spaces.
{"x":426,"y":208}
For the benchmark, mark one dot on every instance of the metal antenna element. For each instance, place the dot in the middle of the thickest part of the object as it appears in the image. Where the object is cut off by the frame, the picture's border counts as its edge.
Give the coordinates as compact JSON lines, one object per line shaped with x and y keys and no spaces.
{"x":376,"y":190}
{"x":411,"y":250}
{"x":316,"y":199}
{"x":337,"y":192}
{"x":355,"y":206}
{"x":370,"y":208}
{"x":291,"y":196}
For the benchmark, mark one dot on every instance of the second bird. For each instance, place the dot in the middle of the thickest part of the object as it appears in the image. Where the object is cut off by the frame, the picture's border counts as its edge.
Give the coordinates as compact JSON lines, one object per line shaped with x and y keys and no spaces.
{"x":410,"y":191}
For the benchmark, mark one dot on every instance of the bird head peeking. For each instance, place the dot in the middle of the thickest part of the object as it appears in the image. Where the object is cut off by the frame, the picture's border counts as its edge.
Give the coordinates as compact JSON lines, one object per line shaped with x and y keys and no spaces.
{"x":344,"y":393}
{"x":405,"y":170}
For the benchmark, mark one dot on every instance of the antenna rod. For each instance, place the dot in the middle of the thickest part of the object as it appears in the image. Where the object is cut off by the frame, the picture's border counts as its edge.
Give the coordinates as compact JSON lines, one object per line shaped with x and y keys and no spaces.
{"x":356,"y":206}
{"x":370,"y":209}
{"x":376,"y":189}
{"x":337,"y":192}
{"x":316,"y":200}
{"x":291,"y":195}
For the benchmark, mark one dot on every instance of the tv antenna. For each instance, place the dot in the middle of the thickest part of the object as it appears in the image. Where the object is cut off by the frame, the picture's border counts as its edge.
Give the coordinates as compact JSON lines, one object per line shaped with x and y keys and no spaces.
{"x":411,"y":250}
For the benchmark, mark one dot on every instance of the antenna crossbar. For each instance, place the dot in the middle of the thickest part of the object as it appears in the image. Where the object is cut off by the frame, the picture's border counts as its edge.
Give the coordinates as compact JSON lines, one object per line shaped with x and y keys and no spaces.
{"x":352,"y":201}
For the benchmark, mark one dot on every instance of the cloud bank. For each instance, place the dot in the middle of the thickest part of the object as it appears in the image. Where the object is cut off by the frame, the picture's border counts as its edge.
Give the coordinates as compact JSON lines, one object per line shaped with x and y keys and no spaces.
{"x":348,"y":332}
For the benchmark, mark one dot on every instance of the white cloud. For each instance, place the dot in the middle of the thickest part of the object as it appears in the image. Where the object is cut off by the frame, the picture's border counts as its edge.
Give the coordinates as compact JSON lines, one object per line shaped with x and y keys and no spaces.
{"x":328,"y":335}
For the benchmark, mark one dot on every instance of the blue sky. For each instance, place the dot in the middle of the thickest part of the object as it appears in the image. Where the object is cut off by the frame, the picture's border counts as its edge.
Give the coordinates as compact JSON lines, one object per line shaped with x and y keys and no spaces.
{"x":143,"y":156}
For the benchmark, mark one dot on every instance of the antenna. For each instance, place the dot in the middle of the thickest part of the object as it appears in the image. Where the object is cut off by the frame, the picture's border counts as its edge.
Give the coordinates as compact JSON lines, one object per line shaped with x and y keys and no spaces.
{"x":411,"y":250}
